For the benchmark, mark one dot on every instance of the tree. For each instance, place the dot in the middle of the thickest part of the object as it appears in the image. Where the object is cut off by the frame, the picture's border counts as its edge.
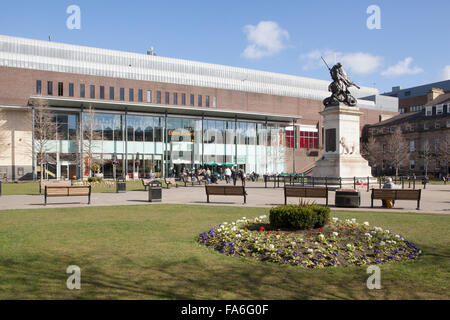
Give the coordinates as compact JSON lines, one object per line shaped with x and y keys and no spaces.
{"x":3,"y":133}
{"x":427,"y":154}
{"x":90,"y":139}
{"x":443,"y":150}
{"x":44,"y":132}
{"x":397,"y":152}
{"x":372,"y":152}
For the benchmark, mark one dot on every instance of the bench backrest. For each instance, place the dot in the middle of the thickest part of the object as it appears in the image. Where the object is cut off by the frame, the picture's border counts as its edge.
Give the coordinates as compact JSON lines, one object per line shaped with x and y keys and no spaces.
{"x":169,"y":180}
{"x":225,"y":190}
{"x":67,"y":191}
{"x":147,"y":182}
{"x":56,"y":184}
{"x":306,"y":192}
{"x":396,"y":194}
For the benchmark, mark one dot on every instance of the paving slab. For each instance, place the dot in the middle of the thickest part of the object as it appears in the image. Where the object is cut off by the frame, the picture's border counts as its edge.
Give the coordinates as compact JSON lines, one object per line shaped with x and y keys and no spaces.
{"x":435,"y":199}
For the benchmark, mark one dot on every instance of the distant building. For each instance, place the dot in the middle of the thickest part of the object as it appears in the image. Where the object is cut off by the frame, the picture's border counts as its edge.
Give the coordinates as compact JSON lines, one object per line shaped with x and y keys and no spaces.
{"x":427,"y":133}
{"x":415,"y":98}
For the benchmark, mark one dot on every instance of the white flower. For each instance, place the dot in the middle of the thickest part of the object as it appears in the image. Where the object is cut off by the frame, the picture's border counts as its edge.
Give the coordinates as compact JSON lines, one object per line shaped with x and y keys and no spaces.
{"x":271,"y":246}
{"x":225,"y":223}
{"x":321,"y":236}
{"x":353,"y":220}
{"x":382,"y":243}
{"x":238,"y":235}
{"x":368,"y":235}
{"x":244,"y":218}
{"x":349,"y":245}
{"x":366,"y":223}
{"x":334,"y":219}
{"x":310,"y":250}
{"x":335,"y":234}
{"x":233,"y":223}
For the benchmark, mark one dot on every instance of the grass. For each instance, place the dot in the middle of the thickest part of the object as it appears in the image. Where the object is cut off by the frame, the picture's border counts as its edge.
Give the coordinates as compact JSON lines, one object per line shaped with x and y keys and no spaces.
{"x":150,"y":252}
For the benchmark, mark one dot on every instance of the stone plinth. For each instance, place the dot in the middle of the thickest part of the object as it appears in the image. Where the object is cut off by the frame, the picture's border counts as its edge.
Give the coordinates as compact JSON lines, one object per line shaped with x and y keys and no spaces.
{"x":342,"y":157}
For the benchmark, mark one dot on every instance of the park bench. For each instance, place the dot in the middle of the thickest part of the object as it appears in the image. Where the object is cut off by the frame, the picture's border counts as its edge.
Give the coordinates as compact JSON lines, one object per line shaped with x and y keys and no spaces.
{"x":187,"y":180}
{"x":147,"y":182}
{"x":171,"y":181}
{"x":72,"y":191}
{"x":45,"y":183}
{"x":393,"y":194}
{"x":202,"y":179}
{"x":305,"y":192}
{"x":226,"y":191}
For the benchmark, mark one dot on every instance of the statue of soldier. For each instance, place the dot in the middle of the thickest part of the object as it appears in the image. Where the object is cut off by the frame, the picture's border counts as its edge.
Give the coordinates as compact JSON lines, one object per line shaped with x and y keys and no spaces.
{"x":339,"y":87}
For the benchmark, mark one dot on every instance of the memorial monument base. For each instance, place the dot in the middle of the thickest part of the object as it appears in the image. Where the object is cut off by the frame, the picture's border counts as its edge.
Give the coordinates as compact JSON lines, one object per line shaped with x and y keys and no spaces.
{"x":342,"y":158}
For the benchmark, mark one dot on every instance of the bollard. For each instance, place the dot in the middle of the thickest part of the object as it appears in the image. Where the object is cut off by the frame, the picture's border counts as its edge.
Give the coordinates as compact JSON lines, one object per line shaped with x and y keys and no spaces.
{"x":354,"y":183}
{"x":368,"y":184}
{"x":340,"y":182}
{"x":326,"y":182}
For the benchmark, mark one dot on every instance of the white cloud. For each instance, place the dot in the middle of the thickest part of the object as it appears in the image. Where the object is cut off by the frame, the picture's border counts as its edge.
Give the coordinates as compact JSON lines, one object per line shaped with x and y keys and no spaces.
{"x":265,"y":40}
{"x":402,"y":68}
{"x":356,"y":62}
{"x":445,"y":74}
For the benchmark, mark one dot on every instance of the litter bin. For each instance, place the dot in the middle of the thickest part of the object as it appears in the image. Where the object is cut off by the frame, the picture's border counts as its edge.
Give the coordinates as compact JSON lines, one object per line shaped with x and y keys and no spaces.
{"x":348,"y":198}
{"x":155,"y":192}
{"x":121,"y":185}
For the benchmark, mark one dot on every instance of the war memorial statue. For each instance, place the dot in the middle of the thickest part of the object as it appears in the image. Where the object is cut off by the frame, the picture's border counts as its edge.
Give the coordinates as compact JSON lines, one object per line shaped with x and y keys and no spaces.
{"x":339,"y":87}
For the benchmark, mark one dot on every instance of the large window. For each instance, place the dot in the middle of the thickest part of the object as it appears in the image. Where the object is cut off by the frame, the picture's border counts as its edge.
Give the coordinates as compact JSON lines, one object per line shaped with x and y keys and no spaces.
{"x":38,"y":86}
{"x":175,"y":98}
{"x":309,"y":139}
{"x":102,"y":92}
{"x":207,"y":101}
{"x":82,"y":91}
{"x":192,"y":100}
{"x":92,"y":90}
{"x":111,"y":93}
{"x":158,"y":97}
{"x":71,"y":90}
{"x":167,"y":98}
{"x":131,"y":94}
{"x":140,"y":95}
{"x":122,"y":94}
{"x":50,"y":88}
{"x":149,"y":96}
{"x":200,"y":101}
{"x":183,"y":99}
{"x":60,"y":89}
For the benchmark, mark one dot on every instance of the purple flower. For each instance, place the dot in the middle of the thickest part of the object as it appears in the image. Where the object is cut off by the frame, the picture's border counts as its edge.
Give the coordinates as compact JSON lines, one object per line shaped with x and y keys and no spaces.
{"x":295,"y":254}
{"x":378,"y":261}
{"x":222,"y":251}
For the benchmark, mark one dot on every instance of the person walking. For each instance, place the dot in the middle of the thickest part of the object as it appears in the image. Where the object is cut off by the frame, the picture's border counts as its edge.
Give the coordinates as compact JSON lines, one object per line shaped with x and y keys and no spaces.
{"x":208,"y":176}
{"x":228,"y":175}
{"x":234,"y":176}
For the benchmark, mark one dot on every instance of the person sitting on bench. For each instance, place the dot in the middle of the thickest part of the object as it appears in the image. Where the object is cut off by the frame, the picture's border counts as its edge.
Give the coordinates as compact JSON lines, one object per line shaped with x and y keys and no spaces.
{"x":388,"y":203}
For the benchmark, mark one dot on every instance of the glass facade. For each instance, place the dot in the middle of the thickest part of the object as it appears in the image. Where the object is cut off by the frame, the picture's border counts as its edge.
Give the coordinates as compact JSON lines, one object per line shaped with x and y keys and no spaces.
{"x":143,"y":145}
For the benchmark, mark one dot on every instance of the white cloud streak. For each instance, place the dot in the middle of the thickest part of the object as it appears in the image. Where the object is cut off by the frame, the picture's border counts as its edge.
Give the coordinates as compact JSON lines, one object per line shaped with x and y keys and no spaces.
{"x":265,"y":40}
{"x":355,"y":62}
{"x":403,"y":67}
{"x":445,"y":73}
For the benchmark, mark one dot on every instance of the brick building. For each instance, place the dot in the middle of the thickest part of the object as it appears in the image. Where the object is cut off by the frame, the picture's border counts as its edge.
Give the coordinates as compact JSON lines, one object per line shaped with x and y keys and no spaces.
{"x":158,"y":115}
{"x":426,"y":134}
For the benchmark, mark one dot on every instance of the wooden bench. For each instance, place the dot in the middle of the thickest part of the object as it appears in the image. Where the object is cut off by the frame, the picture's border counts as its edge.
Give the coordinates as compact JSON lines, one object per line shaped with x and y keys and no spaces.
{"x":147,"y":182}
{"x":201,"y":179}
{"x":170,"y":181}
{"x":394,"y":194}
{"x":305,"y":192}
{"x":75,"y":191}
{"x":45,"y":183}
{"x":187,"y":180}
{"x":225,"y":191}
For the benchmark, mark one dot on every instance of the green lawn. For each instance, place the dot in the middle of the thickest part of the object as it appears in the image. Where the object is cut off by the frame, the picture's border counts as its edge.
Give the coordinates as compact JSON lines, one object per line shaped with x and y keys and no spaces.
{"x":150,"y":252}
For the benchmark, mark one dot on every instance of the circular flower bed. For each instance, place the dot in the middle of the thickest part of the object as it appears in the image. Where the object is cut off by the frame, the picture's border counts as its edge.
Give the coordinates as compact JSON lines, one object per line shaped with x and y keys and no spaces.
{"x":339,"y":243}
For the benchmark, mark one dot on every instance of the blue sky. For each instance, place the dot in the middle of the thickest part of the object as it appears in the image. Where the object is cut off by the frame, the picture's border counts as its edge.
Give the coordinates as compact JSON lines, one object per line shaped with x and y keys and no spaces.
{"x":411,"y":48}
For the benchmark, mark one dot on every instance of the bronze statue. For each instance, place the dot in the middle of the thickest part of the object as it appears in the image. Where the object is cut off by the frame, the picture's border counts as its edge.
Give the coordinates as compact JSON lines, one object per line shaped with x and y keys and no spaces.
{"x":339,"y":87}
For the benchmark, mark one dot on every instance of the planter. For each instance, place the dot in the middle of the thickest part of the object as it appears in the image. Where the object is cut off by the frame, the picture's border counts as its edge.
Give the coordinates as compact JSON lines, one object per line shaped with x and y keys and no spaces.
{"x":348,"y":198}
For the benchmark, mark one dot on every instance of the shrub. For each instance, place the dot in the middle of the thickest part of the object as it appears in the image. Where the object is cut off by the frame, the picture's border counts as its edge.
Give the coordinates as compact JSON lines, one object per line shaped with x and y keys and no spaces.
{"x":95,"y":179}
{"x":299,"y":217}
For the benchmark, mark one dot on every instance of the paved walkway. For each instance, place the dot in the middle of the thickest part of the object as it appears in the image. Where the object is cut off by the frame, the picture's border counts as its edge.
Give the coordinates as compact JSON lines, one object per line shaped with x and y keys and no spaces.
{"x":435,"y":199}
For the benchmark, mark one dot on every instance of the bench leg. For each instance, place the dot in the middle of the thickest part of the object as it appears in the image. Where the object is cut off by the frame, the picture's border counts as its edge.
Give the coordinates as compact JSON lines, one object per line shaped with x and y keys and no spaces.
{"x":285,"y":200}
{"x":245,"y":199}
{"x":45,"y":203}
{"x":207,"y":198}
{"x":418,"y":204}
{"x":372,"y":203}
